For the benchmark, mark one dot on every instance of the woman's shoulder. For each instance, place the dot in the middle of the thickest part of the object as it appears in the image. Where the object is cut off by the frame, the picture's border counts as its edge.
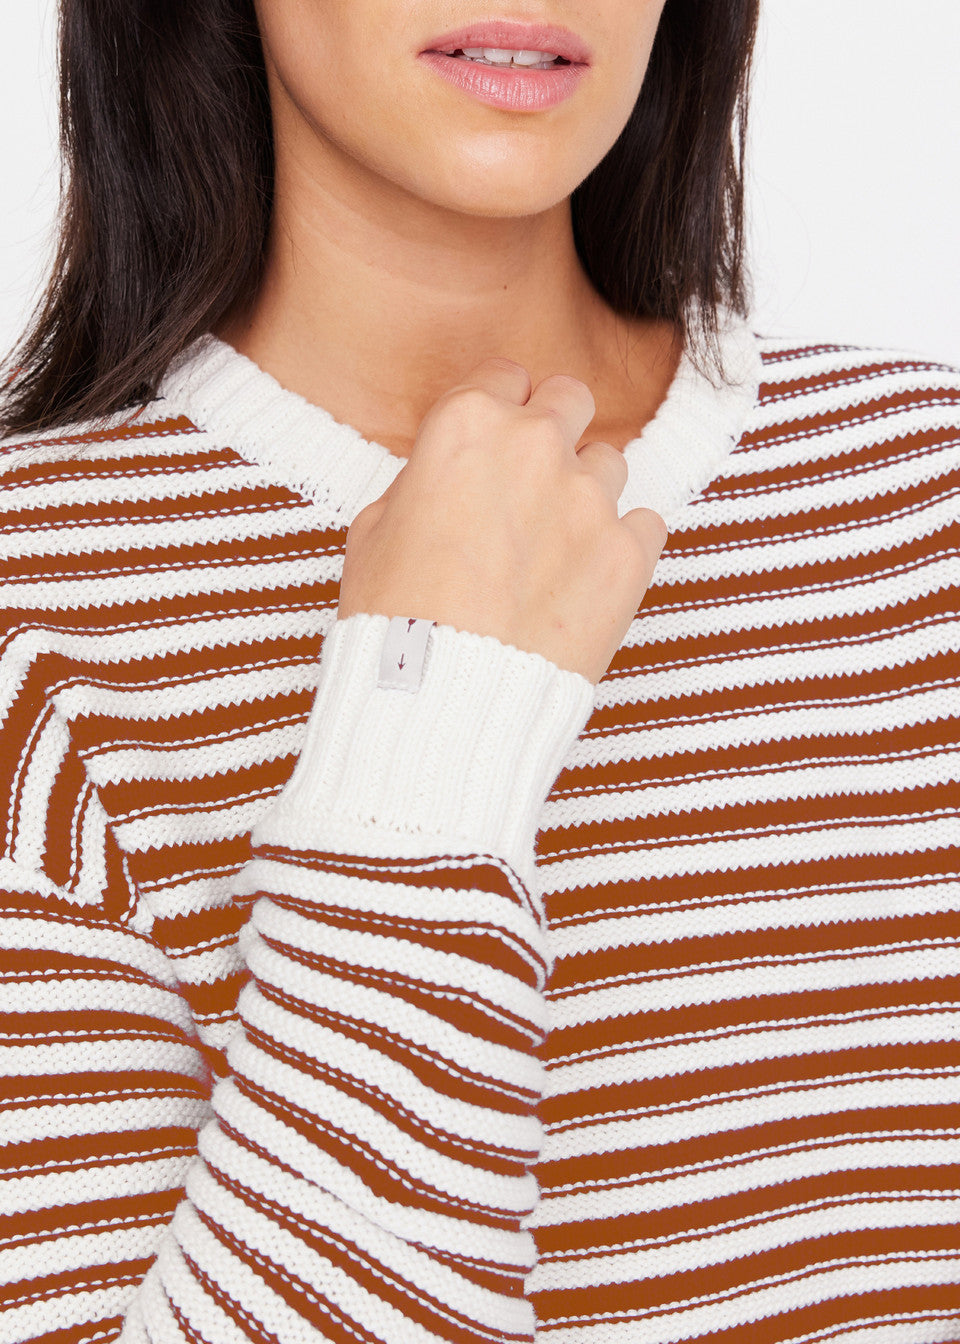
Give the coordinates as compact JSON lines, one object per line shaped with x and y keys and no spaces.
{"x":85,"y":471}
{"x":86,"y":500}
{"x":143,"y":432}
{"x":805,"y":377}
{"x":827,"y":406}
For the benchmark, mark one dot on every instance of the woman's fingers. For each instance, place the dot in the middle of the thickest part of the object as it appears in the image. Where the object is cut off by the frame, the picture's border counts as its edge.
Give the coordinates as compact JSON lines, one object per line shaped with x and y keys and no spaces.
{"x":500,"y":377}
{"x":499,"y":526}
{"x":607,"y":464}
{"x":650,"y":530}
{"x":567,"y":399}
{"x":559,"y":396}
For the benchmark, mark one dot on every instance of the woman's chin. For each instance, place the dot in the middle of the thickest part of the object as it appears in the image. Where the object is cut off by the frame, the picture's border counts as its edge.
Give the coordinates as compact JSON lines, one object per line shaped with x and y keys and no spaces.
{"x":501,"y":189}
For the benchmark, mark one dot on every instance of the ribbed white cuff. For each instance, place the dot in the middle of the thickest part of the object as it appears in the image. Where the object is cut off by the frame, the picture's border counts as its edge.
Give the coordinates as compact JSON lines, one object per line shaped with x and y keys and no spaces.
{"x":461,"y":765}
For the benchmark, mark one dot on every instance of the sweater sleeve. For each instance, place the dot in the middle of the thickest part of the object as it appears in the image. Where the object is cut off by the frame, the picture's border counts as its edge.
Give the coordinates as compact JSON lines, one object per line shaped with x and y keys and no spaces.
{"x":366,"y":1173}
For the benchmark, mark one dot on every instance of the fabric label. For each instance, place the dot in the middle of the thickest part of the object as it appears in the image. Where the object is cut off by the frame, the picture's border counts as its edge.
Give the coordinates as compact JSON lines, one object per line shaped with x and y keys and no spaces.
{"x":404,"y":650}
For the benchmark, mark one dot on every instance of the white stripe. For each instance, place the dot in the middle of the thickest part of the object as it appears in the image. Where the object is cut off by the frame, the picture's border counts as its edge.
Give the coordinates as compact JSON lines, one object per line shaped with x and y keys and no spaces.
{"x":745,"y":1176}
{"x":65,"y":994}
{"x":126,"y":950}
{"x":190,"y":895}
{"x":711,"y":1223}
{"x":477,"y":908}
{"x":775,"y":1040}
{"x":61,"y":444}
{"x":763,"y":1302}
{"x":170,"y":1278}
{"x":910,"y":1328}
{"x":817,"y":546}
{"x":207,"y":965}
{"x":63,"y":1252}
{"x":132,"y":484}
{"x":242,"y":522}
{"x":38,"y":1319}
{"x":501,"y":997}
{"x":814,"y":661}
{"x":162,"y":640}
{"x":191,"y":828}
{"x":25,"y":881}
{"x":708,"y":1248}
{"x":70,"y":1114}
{"x":788,"y":352}
{"x":173,"y":583}
{"x":428,"y":1169}
{"x":174,"y":762}
{"x":862,"y":391}
{"x":804,"y":779}
{"x":218,"y":1035}
{"x":859,"y":838}
{"x":828,"y":445}
{"x":169,"y":698}
{"x":820,"y":360}
{"x":93,"y":849}
{"x":700,"y":620}
{"x":107,"y":1054}
{"x":389,"y":898}
{"x":773,"y":975}
{"x":499,"y":1065}
{"x":36,"y":775}
{"x":712,"y":916}
{"x":762,"y":1106}
{"x":99,"y":1180}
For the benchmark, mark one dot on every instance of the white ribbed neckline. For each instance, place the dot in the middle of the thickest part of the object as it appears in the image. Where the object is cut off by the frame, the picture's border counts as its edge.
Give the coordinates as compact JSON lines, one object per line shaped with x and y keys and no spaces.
{"x":674,"y":457}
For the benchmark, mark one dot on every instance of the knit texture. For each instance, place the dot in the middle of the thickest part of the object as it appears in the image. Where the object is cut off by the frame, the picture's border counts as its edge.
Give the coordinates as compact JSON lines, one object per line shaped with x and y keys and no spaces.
{"x":513,"y":1006}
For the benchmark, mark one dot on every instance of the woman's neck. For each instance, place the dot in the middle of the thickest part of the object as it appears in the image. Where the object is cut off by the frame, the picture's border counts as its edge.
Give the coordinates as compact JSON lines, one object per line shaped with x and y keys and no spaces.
{"x":374,"y":302}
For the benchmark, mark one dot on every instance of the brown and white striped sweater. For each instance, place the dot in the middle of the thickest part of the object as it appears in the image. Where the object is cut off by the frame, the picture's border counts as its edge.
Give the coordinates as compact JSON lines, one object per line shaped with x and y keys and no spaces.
{"x":622,"y":1014}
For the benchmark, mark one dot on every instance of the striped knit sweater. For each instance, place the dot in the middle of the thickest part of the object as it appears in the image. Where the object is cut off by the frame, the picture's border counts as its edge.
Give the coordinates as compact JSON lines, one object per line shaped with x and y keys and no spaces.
{"x":500,"y":1005}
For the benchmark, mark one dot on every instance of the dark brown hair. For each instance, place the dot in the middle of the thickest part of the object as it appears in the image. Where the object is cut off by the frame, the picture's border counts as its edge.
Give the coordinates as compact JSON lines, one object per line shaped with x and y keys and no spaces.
{"x":168,"y":178}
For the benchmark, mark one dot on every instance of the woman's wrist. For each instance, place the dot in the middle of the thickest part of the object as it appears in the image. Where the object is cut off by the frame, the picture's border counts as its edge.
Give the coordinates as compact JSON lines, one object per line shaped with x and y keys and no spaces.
{"x":463,"y":756}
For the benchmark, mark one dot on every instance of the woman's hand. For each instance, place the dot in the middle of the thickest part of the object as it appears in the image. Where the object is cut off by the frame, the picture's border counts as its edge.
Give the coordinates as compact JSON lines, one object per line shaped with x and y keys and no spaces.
{"x":498,"y":525}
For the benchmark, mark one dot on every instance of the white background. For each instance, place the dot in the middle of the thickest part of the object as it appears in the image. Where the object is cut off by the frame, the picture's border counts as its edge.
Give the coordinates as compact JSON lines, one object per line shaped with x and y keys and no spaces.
{"x":854,"y":181}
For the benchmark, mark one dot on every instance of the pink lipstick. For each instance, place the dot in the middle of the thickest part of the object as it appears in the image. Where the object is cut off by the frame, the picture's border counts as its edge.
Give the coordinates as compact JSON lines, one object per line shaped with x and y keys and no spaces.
{"x":514,"y":87}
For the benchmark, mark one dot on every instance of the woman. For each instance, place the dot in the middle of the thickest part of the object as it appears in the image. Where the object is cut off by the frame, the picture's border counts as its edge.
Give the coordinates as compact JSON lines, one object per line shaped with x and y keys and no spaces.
{"x":407,"y":937}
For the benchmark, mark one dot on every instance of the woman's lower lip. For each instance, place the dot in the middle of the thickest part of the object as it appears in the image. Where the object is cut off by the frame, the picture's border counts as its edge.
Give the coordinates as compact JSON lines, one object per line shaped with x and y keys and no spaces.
{"x":511,"y":87}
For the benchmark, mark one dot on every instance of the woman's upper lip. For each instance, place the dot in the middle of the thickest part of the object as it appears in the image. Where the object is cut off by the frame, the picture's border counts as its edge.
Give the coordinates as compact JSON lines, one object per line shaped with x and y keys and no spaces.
{"x":512,"y":35}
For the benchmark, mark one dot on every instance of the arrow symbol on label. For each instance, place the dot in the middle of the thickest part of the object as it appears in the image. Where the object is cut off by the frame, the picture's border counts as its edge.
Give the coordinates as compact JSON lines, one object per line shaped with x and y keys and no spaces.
{"x":400,"y":664}
{"x":412,"y":621}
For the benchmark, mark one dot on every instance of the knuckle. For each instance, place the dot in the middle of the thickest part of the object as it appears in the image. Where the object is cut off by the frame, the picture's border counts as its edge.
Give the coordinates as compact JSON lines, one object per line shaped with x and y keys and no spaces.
{"x":546,"y":425}
{"x":587,"y":521}
{"x":643,"y":550}
{"x":589,"y":489}
{"x":651,"y":532}
{"x":614,"y":463}
{"x":468,"y":397}
{"x":638,"y":548}
{"x":466,"y":405}
{"x":618,"y":456}
{"x":659,"y":527}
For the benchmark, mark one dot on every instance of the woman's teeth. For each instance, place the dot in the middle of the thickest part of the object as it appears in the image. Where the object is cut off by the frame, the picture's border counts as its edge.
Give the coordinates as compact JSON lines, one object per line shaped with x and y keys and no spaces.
{"x":530,"y":60}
